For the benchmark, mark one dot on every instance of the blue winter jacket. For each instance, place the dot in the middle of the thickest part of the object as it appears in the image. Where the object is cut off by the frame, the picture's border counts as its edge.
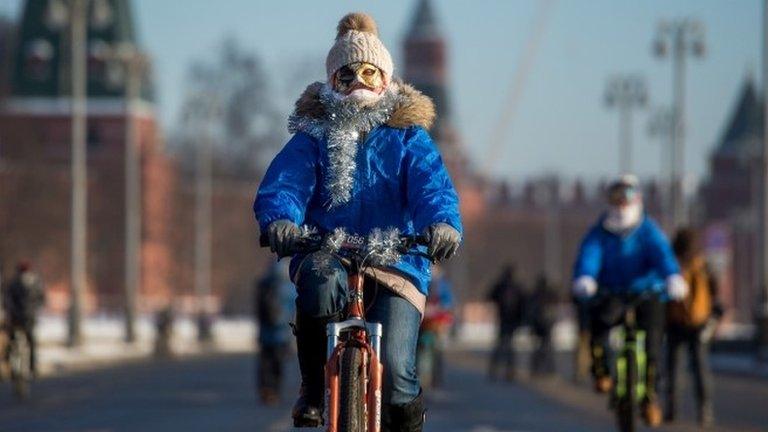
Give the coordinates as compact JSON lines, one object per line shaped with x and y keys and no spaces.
{"x":400,"y":181}
{"x":637,"y":261}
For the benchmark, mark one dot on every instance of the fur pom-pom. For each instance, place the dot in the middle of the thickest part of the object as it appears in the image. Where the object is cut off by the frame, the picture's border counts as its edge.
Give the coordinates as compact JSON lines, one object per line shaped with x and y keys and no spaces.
{"x":356,"y":21}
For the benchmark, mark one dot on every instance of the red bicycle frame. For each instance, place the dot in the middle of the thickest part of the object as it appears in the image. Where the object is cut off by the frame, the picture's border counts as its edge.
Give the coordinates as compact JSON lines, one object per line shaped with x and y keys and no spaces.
{"x":358,"y":338}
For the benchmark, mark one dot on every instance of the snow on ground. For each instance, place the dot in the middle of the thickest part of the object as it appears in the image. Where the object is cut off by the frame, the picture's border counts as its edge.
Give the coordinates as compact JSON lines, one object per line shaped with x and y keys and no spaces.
{"x":103,"y":341}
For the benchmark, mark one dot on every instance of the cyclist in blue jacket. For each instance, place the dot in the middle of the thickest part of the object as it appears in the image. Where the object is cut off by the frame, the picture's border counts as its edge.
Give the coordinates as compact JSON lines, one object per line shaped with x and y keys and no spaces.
{"x":360,"y":159}
{"x":627,"y":251}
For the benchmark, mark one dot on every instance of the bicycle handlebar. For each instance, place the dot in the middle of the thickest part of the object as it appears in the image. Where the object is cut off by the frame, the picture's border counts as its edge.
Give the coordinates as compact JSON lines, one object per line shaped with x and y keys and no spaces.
{"x":628,"y":299}
{"x":314,"y":243}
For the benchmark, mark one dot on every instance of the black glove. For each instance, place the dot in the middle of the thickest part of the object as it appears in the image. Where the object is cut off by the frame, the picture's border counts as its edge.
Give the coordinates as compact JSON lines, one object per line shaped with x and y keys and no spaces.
{"x":444,"y":241}
{"x":282,"y":236}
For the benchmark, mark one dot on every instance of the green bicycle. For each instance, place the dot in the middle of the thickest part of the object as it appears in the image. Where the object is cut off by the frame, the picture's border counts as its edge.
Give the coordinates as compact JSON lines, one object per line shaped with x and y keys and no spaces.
{"x":631,"y":367}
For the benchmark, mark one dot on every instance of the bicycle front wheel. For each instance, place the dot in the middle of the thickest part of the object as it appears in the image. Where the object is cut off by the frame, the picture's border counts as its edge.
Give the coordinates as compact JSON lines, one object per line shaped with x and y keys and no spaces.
{"x":352,"y":391}
{"x":626,"y":402}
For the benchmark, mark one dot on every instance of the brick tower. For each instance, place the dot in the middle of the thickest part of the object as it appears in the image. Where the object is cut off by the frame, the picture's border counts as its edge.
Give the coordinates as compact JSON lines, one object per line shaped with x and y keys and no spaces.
{"x":35,"y":148}
{"x":426,"y":67}
{"x":729,"y":197}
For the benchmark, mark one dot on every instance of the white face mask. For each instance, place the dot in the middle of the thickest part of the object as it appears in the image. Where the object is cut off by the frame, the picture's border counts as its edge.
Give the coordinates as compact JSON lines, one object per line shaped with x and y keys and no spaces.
{"x":621,"y":219}
{"x":363,"y":97}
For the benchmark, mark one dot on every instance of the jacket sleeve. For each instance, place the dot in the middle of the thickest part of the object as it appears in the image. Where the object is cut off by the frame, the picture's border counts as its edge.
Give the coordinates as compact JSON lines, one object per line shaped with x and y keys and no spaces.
{"x":660,"y":251}
{"x":590,"y":257}
{"x":430,"y":192}
{"x":289,"y":183}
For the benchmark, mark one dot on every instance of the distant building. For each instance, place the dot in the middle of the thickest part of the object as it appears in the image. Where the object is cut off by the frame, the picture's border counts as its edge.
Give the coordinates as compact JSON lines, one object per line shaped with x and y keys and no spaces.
{"x":729,"y":196}
{"x":35,"y":192}
{"x":35,"y":158}
{"x":733,"y":179}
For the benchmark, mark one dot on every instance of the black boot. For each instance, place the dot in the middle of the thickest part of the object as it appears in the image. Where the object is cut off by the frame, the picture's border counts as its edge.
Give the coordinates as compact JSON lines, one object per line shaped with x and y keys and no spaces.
{"x":403,"y":418}
{"x":311,"y":346}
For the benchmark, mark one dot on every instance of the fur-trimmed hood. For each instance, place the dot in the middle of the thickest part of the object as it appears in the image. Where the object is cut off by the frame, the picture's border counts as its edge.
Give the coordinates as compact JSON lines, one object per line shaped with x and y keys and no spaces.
{"x":412,"y":107}
{"x":341,"y":124}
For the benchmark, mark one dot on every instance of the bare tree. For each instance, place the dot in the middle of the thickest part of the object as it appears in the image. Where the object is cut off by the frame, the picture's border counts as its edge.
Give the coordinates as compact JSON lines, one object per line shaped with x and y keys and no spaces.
{"x":246,"y":129}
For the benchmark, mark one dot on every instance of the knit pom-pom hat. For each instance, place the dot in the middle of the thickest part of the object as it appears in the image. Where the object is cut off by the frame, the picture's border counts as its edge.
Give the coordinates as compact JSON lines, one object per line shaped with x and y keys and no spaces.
{"x":357,"y":40}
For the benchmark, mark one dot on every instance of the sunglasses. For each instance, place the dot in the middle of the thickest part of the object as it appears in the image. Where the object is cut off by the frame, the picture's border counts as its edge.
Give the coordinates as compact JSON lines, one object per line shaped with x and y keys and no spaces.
{"x":621,"y":195}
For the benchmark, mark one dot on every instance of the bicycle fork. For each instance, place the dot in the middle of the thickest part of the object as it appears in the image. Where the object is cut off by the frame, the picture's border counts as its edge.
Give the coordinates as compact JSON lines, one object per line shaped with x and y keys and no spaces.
{"x":372,"y":368}
{"x":635,"y":342}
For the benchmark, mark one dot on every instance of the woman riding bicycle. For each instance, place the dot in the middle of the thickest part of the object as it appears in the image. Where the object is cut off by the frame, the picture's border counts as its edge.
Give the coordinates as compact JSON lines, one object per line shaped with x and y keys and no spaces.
{"x":360,"y":159}
{"x":627,"y":252}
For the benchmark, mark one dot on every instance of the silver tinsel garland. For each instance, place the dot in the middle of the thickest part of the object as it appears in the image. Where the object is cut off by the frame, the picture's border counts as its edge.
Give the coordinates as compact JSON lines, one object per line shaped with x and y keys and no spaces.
{"x":381,"y":247}
{"x":344,"y":124}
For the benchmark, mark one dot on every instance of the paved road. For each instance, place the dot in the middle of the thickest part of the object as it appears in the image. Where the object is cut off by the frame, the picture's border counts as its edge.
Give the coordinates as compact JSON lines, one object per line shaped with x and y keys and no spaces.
{"x":741,"y":402}
{"x":215,"y":394}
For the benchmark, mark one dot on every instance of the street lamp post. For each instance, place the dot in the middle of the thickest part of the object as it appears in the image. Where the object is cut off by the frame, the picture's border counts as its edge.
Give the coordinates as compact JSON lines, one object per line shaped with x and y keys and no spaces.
{"x":203,"y":189}
{"x":207,"y":110}
{"x":201,"y":113}
{"x":661,"y":126}
{"x":71,"y":17}
{"x":132,"y":198}
{"x":75,"y":14}
{"x":133,"y":64}
{"x":79,"y":217}
{"x":625,"y":92}
{"x":682,"y":38}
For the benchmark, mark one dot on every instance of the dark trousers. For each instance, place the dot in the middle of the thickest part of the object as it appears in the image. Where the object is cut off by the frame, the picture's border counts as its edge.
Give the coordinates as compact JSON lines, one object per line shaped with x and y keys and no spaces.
{"x":543,"y":361}
{"x":503,"y":354}
{"x":679,"y":338}
{"x":269,"y":368}
{"x":607,"y":313}
{"x":29,"y":332}
{"x":323,"y":292}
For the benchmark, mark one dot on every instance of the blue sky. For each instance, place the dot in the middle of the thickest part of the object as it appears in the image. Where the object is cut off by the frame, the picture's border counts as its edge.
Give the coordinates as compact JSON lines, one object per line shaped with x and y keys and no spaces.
{"x":560,"y":124}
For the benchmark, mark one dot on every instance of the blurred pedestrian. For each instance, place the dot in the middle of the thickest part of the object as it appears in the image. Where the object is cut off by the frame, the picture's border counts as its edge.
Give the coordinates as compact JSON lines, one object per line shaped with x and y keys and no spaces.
{"x":22,"y":298}
{"x":689,"y":321}
{"x":274,"y":297}
{"x":435,"y":328}
{"x":507,"y":295}
{"x":164,"y":332}
{"x":542,"y":310}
